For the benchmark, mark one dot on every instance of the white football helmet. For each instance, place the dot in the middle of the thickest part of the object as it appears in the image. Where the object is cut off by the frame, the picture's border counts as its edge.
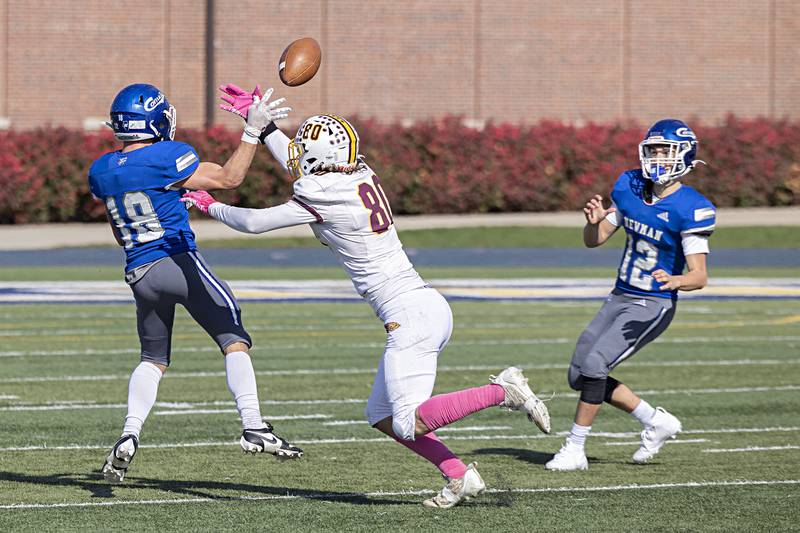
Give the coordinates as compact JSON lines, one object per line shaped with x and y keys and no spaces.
{"x":321,"y":142}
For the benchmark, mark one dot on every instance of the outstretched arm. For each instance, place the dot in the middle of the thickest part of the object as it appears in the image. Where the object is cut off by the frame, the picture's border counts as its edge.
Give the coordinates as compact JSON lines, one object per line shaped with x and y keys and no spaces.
{"x":598,"y":229}
{"x":277,"y":143}
{"x":250,"y":220}
{"x":228,"y":176}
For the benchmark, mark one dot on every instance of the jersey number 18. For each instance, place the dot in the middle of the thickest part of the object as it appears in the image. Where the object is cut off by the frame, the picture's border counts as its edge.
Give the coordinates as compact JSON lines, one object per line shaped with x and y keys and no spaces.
{"x":137,"y":208}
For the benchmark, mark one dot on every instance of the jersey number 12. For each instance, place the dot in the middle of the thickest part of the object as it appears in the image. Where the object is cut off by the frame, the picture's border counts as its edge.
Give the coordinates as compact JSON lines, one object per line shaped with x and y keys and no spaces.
{"x":642,"y":266}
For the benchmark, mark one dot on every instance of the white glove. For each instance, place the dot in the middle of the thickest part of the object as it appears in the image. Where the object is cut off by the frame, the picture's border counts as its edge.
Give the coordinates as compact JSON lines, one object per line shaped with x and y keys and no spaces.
{"x":261,"y":113}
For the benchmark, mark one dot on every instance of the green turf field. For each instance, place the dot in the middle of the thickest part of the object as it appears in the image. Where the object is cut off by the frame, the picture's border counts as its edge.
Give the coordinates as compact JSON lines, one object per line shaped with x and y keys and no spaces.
{"x":523,"y":237}
{"x":729,"y":370}
{"x":74,"y":273}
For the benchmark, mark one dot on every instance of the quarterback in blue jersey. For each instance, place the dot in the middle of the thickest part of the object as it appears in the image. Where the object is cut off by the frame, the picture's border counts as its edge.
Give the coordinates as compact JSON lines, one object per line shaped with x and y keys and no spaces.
{"x":141,"y":185}
{"x":667,"y":226}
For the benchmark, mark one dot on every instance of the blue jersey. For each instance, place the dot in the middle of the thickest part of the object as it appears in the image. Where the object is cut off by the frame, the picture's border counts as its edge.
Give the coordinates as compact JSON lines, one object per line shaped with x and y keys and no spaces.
{"x":142,"y":202}
{"x":655,"y":232}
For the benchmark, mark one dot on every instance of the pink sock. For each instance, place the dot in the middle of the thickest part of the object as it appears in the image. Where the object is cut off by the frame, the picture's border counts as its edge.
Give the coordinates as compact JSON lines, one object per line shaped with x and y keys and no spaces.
{"x":431,"y":448}
{"x":443,"y":409}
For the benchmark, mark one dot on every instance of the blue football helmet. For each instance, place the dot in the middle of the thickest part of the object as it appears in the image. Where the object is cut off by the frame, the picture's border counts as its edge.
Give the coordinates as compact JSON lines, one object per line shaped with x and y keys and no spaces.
{"x":141,"y":112}
{"x":681,"y":147}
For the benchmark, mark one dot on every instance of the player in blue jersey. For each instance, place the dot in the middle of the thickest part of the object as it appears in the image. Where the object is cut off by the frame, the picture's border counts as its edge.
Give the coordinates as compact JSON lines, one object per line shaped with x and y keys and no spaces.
{"x":141,"y":186}
{"x":667,"y":225}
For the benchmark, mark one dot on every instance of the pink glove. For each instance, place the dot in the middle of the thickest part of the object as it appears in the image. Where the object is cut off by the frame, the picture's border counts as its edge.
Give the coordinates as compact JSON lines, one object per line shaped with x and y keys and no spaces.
{"x":200,"y":199}
{"x":238,"y":100}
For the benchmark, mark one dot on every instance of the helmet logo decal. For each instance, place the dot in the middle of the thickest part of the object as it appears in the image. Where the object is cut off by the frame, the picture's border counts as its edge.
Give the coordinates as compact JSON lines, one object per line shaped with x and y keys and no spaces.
{"x":151,"y":103}
{"x":686,"y":132}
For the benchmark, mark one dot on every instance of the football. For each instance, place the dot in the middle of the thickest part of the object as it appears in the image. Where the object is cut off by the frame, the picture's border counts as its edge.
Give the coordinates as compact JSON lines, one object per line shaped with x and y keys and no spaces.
{"x":300,"y":61}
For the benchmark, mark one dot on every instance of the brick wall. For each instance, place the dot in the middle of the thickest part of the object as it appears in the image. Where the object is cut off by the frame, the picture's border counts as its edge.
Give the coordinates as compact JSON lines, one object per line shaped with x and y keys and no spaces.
{"x":63,"y":61}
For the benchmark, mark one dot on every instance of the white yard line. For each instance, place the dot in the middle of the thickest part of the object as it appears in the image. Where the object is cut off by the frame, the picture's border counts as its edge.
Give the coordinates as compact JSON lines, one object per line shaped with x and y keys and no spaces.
{"x":753,"y":449}
{"x":677,"y":441}
{"x":472,"y":428}
{"x":234,"y":411}
{"x":378,"y":345}
{"x":370,"y":370}
{"x":187,"y":406}
{"x":405,"y":493}
{"x":357,"y":440}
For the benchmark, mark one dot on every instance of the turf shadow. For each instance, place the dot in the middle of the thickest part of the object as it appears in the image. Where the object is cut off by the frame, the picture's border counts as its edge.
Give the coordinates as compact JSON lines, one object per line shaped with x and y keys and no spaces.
{"x":95,"y":484}
{"x":529,"y":456}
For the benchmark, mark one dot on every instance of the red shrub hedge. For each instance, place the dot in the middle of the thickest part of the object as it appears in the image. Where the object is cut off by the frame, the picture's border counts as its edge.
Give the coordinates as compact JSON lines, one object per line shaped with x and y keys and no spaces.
{"x":437,"y":166}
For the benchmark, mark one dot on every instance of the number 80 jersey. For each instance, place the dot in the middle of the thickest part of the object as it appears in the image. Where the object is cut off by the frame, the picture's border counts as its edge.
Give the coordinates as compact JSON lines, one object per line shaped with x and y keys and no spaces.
{"x":354,"y":220}
{"x":657,"y":233}
{"x":142,"y":202}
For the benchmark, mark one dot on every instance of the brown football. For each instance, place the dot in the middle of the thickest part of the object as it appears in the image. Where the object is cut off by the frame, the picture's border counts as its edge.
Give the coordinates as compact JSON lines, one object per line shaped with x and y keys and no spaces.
{"x":300,"y":61}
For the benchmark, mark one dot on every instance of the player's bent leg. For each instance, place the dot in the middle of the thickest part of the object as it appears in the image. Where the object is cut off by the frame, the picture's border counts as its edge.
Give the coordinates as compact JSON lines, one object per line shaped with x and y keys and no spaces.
{"x":520,"y":397}
{"x":443,"y":409}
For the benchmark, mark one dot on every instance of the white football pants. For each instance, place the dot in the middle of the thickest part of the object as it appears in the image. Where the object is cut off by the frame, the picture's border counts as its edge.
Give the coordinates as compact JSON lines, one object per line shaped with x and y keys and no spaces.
{"x":418,"y":324}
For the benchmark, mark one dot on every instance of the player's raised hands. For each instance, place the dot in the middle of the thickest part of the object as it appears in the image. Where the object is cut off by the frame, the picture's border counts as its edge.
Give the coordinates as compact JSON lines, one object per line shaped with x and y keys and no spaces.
{"x":237,"y":100}
{"x":260,"y":113}
{"x":199,"y":199}
{"x":594,"y":210}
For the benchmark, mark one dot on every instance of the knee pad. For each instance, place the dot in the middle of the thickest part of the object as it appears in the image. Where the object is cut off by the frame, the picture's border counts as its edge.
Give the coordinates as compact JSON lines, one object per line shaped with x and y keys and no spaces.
{"x":574,"y":378}
{"x":611,"y":385}
{"x":593,"y":390}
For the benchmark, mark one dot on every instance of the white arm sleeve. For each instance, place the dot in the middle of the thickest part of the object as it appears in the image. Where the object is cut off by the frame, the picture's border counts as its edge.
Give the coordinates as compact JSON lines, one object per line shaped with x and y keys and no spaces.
{"x":261,"y":220}
{"x":694,"y":244}
{"x":278,"y":144}
{"x":612,"y":217}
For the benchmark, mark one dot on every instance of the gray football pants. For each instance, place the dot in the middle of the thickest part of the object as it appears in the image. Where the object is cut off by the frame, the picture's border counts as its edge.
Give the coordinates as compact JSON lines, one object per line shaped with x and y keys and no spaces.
{"x":187,"y":280}
{"x":624,"y":324}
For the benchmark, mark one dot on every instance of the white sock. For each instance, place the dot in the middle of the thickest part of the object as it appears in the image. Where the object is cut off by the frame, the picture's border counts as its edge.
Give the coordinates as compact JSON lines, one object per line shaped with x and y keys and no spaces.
{"x":242,"y":384}
{"x":644,"y":413}
{"x":142,"y":391}
{"x":577,"y":437}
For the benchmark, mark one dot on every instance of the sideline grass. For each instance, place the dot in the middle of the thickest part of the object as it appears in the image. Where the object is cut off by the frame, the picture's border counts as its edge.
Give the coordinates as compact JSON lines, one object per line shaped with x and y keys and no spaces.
{"x":734,"y":367}
{"x":524,"y":237}
{"x":530,"y":237}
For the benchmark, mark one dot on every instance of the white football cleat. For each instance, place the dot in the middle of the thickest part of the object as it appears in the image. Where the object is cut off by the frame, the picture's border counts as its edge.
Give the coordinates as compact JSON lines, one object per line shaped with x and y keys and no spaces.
{"x":265,"y":441}
{"x":568,"y":458}
{"x":519,"y":396}
{"x":458,"y":490}
{"x":119,"y":459}
{"x":664,"y":426}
